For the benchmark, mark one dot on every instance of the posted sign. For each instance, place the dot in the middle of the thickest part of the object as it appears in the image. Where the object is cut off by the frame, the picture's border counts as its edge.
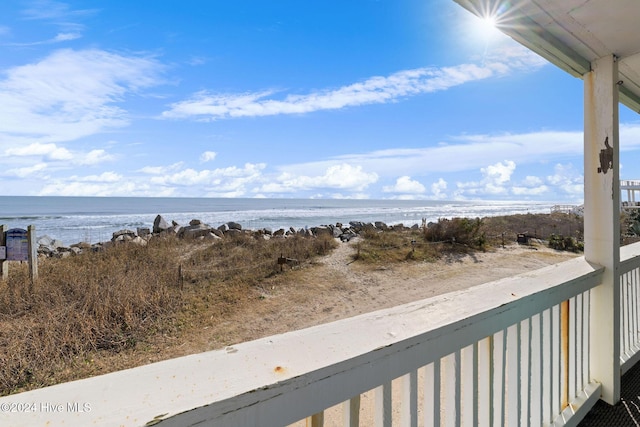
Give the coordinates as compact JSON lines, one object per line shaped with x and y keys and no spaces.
{"x":17,"y":245}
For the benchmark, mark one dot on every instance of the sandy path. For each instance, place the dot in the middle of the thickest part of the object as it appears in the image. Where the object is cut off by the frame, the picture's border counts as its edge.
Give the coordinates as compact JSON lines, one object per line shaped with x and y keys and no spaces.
{"x":335,"y":287}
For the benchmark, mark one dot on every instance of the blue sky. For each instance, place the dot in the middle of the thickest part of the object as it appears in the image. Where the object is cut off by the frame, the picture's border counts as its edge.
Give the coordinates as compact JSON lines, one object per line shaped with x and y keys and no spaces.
{"x":386,"y":99}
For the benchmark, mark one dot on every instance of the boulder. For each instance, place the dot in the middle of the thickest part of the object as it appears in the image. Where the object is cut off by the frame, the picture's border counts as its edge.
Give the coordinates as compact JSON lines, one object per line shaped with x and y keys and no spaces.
{"x":195,"y":222}
{"x":195,"y":231}
{"x":217,"y":232}
{"x":81,"y":245}
{"x":123,"y":234}
{"x":139,"y":241}
{"x":234,"y":225}
{"x":175,"y":229}
{"x":323,"y":229}
{"x":380,"y":225}
{"x":345,"y":237}
{"x":160,"y":225}
{"x":44,"y":240}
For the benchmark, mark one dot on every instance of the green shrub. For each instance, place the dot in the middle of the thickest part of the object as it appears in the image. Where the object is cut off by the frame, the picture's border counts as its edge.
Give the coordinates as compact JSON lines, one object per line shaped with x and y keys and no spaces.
{"x":565,"y":243}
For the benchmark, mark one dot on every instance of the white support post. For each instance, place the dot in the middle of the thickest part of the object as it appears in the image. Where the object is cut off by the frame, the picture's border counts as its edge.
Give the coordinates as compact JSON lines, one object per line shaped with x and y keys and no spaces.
{"x":602,"y":220}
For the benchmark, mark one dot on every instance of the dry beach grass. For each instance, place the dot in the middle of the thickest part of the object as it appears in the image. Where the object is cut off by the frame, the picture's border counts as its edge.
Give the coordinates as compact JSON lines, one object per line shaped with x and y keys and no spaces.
{"x":130,"y":305}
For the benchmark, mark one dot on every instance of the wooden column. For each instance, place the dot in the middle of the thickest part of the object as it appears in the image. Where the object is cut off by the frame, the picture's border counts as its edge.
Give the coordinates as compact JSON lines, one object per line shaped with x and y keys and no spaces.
{"x":602,"y":220}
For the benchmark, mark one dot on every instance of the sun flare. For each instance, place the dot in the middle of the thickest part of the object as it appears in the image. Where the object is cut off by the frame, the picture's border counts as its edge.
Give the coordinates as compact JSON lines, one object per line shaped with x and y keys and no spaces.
{"x":487,"y":27}
{"x":489,"y":22}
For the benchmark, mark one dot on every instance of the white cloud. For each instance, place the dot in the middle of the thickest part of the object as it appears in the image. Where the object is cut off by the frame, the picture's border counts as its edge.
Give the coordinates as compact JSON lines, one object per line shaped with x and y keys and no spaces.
{"x":50,"y":151}
{"x":405,"y":184}
{"x":530,"y":186}
{"x":466,"y":152}
{"x":342,"y":176}
{"x":25,"y":171}
{"x":103,"y":177}
{"x":69,"y":94}
{"x":374,"y":90}
{"x":83,"y":187}
{"x":500,"y":173}
{"x":568,"y":180}
{"x":222,"y":182}
{"x":438,"y":189}
{"x":63,"y":37}
{"x":532,"y":181}
{"x":60,"y":37}
{"x":53,"y":10}
{"x":94,"y":157}
{"x":494,"y":181}
{"x":207,"y":156}
{"x":160,"y":170}
{"x":528,"y":191}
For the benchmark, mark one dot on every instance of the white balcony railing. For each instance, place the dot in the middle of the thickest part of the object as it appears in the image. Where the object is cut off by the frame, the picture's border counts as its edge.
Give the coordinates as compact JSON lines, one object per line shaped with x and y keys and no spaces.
{"x":629,"y":306}
{"x":510,"y":352}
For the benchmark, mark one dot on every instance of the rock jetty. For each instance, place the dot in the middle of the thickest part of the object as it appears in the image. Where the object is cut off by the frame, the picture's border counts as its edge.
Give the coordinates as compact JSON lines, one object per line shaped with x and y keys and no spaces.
{"x":197,"y":230}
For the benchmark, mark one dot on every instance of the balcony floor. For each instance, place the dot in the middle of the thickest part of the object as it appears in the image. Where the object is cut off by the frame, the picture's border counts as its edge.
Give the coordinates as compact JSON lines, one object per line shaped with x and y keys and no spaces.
{"x":626,"y":412}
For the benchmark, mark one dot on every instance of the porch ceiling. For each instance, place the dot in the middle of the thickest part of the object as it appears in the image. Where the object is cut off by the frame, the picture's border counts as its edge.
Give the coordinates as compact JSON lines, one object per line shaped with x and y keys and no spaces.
{"x":573,"y":33}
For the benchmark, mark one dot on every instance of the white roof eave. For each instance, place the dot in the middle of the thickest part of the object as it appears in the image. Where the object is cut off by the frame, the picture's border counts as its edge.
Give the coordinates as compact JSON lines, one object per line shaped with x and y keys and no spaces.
{"x":561,"y":47}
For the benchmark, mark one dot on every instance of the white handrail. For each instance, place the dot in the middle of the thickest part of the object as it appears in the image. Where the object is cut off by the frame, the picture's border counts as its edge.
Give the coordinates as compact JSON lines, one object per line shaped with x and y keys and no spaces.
{"x":284,"y":378}
{"x":629,"y":306}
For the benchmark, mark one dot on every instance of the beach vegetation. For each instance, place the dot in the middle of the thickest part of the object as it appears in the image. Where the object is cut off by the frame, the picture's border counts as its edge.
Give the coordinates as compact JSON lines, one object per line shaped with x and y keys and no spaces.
{"x":126,"y":305}
{"x":465,"y":235}
{"x":129,"y":297}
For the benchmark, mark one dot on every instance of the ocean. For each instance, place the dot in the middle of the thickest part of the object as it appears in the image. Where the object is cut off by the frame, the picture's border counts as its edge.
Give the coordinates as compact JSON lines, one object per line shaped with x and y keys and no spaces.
{"x":94,"y":219}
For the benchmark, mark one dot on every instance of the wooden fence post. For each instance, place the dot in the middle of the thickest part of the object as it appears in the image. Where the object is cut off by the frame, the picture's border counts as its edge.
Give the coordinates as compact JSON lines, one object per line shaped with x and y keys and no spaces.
{"x":33,"y":252}
{"x":4,"y":265}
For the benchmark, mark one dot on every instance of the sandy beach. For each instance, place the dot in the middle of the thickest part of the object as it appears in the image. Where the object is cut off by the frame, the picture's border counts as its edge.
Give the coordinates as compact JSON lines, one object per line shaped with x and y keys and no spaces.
{"x":335,"y":287}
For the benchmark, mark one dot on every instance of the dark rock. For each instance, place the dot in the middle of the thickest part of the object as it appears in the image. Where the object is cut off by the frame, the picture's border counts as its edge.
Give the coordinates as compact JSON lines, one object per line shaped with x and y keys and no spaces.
{"x":120,"y":234}
{"x":195,"y":231}
{"x":345,"y":237}
{"x":159,"y":225}
{"x":319,"y":231}
{"x":217,"y":232}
